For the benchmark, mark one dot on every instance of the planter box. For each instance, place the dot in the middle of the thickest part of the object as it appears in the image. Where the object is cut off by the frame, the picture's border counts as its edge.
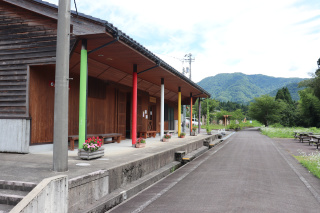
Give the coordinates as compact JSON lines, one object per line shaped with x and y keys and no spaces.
{"x":165,"y":139}
{"x":83,"y":154}
{"x":140,"y":145}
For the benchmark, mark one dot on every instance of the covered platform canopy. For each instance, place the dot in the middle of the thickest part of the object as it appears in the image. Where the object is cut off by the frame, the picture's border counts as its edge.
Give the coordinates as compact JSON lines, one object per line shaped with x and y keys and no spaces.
{"x":111,"y":56}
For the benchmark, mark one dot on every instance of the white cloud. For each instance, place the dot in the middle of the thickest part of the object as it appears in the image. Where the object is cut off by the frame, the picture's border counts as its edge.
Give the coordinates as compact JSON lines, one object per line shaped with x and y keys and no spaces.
{"x":275,"y":38}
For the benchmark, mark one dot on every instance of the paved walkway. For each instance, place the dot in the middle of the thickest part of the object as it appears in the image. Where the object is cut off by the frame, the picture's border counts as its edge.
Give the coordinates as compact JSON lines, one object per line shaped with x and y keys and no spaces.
{"x":37,"y":165}
{"x":249,"y":172}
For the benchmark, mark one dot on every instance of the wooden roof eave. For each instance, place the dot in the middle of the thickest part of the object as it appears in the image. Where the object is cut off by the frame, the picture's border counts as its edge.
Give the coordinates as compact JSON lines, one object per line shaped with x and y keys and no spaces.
{"x":182,"y":82}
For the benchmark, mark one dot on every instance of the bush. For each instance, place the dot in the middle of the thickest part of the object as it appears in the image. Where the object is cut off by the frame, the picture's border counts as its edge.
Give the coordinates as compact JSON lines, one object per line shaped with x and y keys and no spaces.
{"x":277,"y":125}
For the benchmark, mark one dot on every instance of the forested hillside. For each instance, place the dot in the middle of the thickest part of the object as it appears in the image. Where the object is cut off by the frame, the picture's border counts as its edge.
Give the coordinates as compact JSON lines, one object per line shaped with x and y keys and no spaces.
{"x":242,"y":88}
{"x":293,"y":89}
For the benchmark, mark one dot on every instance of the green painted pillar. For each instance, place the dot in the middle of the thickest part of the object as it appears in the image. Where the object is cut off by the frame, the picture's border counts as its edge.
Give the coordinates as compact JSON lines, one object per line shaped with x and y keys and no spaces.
{"x":83,"y":94}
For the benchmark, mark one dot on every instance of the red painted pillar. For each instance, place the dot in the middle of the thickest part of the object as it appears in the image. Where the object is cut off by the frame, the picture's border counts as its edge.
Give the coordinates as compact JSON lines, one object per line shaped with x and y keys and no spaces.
{"x":191,"y":112}
{"x":134,"y":104}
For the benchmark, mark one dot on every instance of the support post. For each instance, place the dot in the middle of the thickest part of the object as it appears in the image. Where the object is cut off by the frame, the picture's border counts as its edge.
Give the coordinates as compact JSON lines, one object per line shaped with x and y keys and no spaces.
{"x":134,"y":104}
{"x":179,"y":111}
{"x":199,"y":115}
{"x":83,"y":96}
{"x":184,"y":118}
{"x":191,"y":103}
{"x":208,"y":118}
{"x":162,"y":110}
{"x":61,"y":97}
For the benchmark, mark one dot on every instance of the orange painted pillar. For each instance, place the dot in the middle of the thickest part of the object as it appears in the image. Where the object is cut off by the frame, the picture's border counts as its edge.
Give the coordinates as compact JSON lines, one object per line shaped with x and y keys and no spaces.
{"x":134,"y":104}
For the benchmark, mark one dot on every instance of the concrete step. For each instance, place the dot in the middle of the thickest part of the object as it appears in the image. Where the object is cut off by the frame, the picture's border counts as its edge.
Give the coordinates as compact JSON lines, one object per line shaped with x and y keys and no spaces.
{"x":10,"y":199}
{"x":116,"y":197}
{"x":12,"y":192}
{"x":5,"y":208}
{"x":192,"y":155}
{"x":214,"y":143}
{"x":17,"y":185}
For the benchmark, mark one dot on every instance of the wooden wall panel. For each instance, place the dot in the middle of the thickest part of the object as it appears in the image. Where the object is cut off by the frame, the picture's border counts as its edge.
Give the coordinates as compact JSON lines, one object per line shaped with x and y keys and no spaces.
{"x":41,"y":104}
{"x":73,"y":120}
{"x":121,"y":108}
{"x":25,"y":38}
{"x":100,"y":113}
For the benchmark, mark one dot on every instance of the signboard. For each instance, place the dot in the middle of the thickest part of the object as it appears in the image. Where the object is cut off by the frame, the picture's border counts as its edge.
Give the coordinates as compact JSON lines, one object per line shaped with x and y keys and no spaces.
{"x":153,"y":100}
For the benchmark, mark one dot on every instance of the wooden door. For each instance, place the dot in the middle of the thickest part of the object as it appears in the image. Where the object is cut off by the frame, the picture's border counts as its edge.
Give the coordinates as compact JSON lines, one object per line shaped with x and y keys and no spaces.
{"x":122,"y":103}
{"x":152,"y":118}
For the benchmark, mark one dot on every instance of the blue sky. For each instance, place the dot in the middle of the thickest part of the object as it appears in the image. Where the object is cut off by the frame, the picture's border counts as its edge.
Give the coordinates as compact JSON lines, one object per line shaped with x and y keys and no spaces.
{"x":278,"y":38}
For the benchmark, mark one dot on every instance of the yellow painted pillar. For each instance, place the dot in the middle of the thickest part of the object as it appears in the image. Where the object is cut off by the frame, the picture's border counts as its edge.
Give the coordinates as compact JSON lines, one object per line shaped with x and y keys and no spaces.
{"x":179,"y":111}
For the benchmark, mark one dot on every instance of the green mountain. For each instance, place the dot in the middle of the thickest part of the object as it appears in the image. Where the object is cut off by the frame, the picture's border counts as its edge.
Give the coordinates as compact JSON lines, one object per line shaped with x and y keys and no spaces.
{"x":242,"y":88}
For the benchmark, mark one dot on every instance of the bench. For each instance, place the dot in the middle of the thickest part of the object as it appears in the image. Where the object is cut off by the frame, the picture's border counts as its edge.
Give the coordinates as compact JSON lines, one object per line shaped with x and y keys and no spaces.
{"x":116,"y":137}
{"x":315,"y":137}
{"x":303,"y":136}
{"x":145,"y":134}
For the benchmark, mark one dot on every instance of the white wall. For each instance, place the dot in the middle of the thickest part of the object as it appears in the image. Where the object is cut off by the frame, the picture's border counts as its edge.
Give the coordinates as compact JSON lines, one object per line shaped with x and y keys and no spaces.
{"x":14,"y":135}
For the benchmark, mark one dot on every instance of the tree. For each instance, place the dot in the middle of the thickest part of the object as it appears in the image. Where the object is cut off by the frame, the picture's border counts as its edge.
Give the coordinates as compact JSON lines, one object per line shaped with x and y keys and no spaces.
{"x":313,"y":83}
{"x":309,"y":108}
{"x":284,"y":94}
{"x":265,"y":109}
{"x":288,"y":116}
{"x":212,"y":105}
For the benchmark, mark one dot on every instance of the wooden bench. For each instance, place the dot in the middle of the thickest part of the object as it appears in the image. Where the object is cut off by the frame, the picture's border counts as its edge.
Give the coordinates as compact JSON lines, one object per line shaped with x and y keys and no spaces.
{"x":316,"y":142}
{"x":116,"y":137}
{"x":304,"y":136}
{"x":145,"y":134}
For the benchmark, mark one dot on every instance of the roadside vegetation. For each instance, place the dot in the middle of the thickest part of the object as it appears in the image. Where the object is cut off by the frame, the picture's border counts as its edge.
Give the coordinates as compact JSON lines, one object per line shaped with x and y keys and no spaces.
{"x":311,"y":162}
{"x":286,"y":132}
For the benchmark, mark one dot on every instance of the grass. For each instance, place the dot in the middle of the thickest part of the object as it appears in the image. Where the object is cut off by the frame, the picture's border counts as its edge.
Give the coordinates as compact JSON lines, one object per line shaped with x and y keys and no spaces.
{"x":242,"y":125}
{"x":286,"y":132}
{"x":311,"y":162}
{"x":213,"y":126}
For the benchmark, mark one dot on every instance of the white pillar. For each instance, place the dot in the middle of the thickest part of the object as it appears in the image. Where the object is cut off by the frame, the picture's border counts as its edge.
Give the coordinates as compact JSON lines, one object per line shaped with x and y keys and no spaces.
{"x":162,"y":110}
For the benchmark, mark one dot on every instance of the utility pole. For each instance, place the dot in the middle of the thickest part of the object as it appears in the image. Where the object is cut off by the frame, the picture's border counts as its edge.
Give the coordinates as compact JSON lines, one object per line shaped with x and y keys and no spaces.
{"x":60,"y":130}
{"x":188,"y":58}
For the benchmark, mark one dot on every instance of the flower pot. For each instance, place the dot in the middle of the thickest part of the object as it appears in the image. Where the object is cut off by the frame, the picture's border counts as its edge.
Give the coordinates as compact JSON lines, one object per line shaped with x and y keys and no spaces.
{"x":88,"y":155}
{"x":140,"y":145}
{"x":165,"y":139}
{"x":182,"y":136}
{"x":209,"y":133}
{"x":193,"y":133}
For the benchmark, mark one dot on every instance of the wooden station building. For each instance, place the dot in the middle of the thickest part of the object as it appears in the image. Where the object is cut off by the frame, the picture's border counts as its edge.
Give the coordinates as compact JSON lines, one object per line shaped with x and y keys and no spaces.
{"x":28,"y":34}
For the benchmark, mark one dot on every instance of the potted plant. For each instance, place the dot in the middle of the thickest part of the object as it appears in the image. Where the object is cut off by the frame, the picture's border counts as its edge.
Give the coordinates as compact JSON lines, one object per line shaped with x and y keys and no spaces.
{"x":208,"y":130}
{"x":182,"y":134}
{"x":194,"y":129}
{"x":91,"y":149}
{"x":141,"y":142}
{"x":166,"y":138}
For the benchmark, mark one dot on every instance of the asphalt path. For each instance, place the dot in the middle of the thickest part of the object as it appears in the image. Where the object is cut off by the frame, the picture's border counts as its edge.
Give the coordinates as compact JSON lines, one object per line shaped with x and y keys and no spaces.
{"x":248,"y":172}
